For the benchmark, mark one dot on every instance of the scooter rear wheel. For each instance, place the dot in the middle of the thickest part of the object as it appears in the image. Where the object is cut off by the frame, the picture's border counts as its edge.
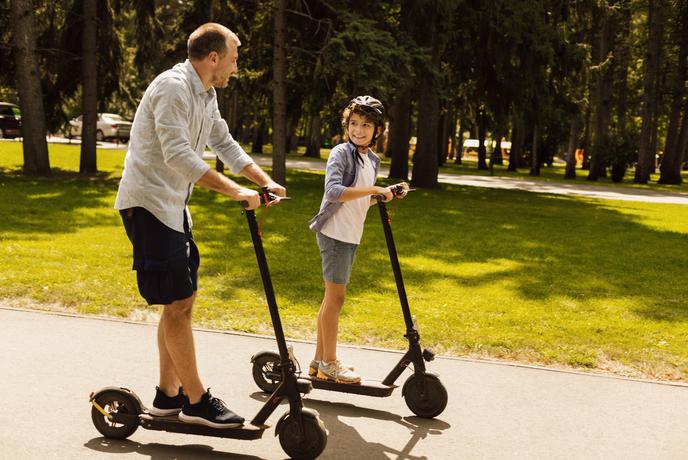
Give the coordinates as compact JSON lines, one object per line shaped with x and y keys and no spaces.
{"x":308,"y":446}
{"x":114,"y":402}
{"x":429,"y":403}
{"x":265,"y":372}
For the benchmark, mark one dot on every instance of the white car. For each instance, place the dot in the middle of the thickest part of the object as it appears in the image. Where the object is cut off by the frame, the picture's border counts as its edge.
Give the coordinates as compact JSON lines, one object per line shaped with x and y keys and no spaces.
{"x":110,"y":126}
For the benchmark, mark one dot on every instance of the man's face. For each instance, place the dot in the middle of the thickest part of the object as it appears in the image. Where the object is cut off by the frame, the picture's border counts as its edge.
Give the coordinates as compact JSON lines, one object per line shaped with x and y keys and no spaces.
{"x":225,"y":66}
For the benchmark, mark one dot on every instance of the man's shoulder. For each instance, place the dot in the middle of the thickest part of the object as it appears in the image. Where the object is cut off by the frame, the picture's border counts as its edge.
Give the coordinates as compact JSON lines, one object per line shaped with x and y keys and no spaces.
{"x":173,"y":79}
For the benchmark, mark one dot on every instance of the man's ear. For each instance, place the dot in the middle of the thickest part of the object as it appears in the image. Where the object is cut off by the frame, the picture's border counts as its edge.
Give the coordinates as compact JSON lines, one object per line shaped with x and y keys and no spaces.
{"x":213,"y":56}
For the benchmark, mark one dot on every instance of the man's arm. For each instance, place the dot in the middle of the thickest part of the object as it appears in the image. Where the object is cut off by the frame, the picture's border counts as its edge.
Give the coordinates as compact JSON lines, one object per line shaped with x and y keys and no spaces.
{"x":255,"y":174}
{"x":226,"y":186}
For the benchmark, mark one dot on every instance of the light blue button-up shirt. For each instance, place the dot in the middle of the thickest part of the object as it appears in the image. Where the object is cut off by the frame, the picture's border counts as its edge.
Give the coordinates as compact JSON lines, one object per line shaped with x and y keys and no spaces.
{"x":174,"y":122}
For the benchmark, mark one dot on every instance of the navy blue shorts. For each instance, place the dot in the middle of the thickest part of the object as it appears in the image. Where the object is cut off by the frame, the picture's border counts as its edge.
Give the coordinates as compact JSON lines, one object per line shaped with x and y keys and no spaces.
{"x":166,"y":261}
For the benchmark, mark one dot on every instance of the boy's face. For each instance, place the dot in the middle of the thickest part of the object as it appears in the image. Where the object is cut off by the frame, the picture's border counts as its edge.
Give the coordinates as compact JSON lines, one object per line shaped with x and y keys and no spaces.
{"x":361,"y":130}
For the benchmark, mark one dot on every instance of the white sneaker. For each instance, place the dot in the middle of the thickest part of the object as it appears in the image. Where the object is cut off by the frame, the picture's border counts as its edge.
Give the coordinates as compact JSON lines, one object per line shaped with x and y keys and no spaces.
{"x":335,"y":372}
{"x":313,"y":368}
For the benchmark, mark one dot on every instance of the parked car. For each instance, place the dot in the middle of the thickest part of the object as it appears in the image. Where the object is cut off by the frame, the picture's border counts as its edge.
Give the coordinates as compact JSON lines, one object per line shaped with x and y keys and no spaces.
{"x":109,"y":126}
{"x":10,"y":120}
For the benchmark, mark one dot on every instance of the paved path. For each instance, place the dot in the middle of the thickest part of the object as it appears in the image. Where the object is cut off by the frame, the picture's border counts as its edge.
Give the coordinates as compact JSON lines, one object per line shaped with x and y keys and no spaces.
{"x":510,"y":183}
{"x":580,"y":189}
{"x":50,"y":364}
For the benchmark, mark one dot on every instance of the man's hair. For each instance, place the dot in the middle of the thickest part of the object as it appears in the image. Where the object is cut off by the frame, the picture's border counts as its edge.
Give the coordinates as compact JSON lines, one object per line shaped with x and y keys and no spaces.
{"x":208,"y":38}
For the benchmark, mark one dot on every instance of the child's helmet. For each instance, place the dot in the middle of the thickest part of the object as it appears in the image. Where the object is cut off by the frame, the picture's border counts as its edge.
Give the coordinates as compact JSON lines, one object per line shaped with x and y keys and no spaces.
{"x":369,"y":107}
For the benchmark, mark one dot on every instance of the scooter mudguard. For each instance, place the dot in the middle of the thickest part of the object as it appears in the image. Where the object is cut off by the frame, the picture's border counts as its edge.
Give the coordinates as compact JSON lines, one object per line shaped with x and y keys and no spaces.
{"x":140,"y":409}
{"x":262,"y":353}
{"x":304,"y":410}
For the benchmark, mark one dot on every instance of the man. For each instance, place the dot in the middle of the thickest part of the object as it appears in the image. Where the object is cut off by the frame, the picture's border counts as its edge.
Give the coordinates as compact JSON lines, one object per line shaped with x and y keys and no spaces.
{"x":175,"y":120}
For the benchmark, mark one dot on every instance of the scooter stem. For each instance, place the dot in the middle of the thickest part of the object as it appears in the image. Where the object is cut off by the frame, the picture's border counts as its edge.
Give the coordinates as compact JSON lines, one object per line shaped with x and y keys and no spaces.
{"x":391,"y":248}
{"x":267,"y":284}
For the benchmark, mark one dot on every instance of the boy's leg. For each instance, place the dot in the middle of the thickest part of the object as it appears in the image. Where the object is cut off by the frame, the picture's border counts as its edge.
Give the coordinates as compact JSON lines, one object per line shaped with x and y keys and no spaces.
{"x":328,"y":321}
{"x":319,"y":342}
{"x":179,"y":344}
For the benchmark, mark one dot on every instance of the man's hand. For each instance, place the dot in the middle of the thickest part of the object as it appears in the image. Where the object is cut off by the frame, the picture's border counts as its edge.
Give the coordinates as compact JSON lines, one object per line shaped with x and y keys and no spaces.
{"x":250,"y":196}
{"x":276,"y":188}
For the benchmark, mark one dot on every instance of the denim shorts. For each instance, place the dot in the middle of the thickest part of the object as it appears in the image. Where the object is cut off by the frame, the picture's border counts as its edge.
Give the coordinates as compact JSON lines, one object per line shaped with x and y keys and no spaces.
{"x":166,"y":261}
{"x":337,"y":259}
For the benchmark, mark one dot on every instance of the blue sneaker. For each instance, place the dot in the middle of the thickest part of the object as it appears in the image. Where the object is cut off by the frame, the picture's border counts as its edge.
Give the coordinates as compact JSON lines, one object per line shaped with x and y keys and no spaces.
{"x":210,"y":411}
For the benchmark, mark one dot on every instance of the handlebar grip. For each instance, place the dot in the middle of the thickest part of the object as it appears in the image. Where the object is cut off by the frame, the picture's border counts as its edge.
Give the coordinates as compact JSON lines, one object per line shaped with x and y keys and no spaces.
{"x":265,"y":197}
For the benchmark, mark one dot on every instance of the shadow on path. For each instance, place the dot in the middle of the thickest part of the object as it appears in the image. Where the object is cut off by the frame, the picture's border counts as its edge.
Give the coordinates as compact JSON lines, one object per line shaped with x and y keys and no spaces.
{"x":162,"y":451}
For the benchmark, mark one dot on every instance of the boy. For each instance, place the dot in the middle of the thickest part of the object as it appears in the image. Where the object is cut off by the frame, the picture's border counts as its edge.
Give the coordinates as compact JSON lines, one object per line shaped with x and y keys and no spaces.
{"x":349,"y":183}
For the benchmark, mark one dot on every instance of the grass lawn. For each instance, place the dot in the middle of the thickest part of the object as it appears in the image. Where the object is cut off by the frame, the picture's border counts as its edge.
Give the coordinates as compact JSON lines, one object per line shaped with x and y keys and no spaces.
{"x":556,"y":280}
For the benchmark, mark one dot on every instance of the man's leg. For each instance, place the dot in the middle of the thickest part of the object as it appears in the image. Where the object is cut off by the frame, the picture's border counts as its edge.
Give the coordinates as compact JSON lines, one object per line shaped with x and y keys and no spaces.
{"x":169,"y":378}
{"x":179,"y":355}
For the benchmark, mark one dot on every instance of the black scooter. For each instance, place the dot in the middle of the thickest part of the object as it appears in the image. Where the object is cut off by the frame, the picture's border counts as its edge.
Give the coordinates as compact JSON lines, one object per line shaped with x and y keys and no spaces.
{"x":423,"y":391}
{"x":117,"y":412}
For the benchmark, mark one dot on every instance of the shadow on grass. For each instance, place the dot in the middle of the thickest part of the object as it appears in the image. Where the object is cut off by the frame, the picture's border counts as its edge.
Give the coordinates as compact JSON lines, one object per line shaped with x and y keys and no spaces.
{"x":62,"y":203}
{"x":536,"y":245}
{"x":557,"y":245}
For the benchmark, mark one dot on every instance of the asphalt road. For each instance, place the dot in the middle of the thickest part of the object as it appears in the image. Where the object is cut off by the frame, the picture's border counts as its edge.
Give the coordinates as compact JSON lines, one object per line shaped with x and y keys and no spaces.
{"x":52,"y":362}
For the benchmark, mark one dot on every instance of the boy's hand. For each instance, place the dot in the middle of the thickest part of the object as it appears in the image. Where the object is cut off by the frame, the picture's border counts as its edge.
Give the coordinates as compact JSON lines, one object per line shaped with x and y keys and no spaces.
{"x":403,"y":186}
{"x":386,"y":193}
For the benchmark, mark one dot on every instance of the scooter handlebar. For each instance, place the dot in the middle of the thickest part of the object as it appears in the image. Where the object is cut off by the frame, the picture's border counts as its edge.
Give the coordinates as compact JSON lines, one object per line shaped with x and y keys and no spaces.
{"x":266,"y":197}
{"x":397,"y":190}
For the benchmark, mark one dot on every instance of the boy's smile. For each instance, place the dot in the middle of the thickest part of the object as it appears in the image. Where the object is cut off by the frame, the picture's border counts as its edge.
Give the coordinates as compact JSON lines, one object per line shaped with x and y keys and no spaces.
{"x":361,"y":130}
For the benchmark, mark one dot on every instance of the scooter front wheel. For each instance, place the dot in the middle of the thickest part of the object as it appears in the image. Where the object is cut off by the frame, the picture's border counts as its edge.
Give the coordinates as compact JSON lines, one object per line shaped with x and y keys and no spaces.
{"x":307,"y":445}
{"x":265,"y":371}
{"x":115,"y":402}
{"x":425,"y":395}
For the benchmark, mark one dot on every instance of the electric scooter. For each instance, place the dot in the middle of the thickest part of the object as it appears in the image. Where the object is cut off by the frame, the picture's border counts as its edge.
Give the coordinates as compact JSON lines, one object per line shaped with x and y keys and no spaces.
{"x":423,"y":391}
{"x":117,"y":412}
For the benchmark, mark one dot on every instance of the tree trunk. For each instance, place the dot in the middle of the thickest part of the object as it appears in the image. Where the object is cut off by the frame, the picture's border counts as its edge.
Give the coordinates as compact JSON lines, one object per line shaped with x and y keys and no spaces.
{"x":573,"y":143}
{"x":645,"y":153}
{"x":517,"y":139}
{"x":425,"y":159}
{"x":35,"y":147}
{"x":670,"y":169}
{"x":279,"y":116}
{"x":443,"y":137}
{"x":683,"y":143}
{"x":482,"y":152}
{"x":89,"y":106}
{"x":259,"y":138}
{"x":603,"y":93}
{"x":497,"y":157}
{"x":315,"y":137}
{"x":399,"y":135}
{"x":585,"y":144}
{"x":452,"y":134}
{"x":458,"y":154}
{"x":624,"y":56}
{"x":535,"y":159}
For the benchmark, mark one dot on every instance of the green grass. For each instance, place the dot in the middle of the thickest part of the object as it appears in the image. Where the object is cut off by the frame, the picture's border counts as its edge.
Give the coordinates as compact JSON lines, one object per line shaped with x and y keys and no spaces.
{"x":556,"y":280}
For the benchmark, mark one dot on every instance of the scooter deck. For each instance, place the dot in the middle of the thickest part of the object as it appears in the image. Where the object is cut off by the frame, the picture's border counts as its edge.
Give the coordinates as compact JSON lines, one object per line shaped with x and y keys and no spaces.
{"x":366,"y":387}
{"x":173,"y":424}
